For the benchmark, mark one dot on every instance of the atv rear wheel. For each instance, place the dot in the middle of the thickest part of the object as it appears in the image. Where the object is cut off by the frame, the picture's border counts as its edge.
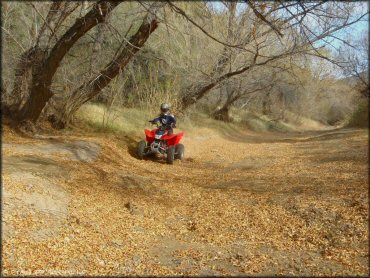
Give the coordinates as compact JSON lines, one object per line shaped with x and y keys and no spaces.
{"x":170,"y":155}
{"x":179,"y":151}
{"x":141,"y":149}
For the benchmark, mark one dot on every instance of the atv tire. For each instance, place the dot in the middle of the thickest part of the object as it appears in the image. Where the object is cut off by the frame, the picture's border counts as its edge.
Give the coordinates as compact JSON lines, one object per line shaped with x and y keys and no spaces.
{"x":170,"y":155}
{"x":179,"y":151}
{"x":141,"y":149}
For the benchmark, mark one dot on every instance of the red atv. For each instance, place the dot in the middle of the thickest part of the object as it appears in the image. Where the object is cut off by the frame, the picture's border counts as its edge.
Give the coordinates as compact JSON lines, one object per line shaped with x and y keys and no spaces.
{"x":159,"y":141}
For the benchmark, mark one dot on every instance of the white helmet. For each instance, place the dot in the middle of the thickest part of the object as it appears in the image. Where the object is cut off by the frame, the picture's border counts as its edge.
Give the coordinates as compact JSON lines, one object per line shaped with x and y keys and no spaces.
{"x":165,"y":107}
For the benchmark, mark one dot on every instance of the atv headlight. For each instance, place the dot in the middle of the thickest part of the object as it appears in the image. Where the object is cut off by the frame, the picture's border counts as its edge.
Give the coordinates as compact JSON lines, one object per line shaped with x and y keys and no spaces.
{"x":157,"y":136}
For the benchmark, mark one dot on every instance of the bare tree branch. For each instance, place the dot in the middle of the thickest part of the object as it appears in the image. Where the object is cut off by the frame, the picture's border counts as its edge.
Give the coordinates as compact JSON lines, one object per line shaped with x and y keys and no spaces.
{"x":263,"y":18}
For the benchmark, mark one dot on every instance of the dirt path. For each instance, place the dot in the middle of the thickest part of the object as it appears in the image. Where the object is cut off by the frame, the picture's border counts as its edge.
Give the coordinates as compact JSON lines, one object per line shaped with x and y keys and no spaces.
{"x":247,"y":204}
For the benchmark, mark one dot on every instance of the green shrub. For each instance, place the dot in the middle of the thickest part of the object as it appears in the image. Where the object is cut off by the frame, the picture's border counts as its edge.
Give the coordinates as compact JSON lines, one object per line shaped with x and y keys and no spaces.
{"x":360,"y":117}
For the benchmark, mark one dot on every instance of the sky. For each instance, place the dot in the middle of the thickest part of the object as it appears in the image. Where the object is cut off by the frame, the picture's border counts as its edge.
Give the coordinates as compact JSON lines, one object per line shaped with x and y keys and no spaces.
{"x":354,"y":32}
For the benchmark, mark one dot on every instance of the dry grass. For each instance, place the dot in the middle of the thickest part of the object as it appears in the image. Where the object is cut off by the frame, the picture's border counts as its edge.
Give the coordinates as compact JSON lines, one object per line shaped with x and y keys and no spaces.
{"x":123,"y":120}
{"x":132,"y":122}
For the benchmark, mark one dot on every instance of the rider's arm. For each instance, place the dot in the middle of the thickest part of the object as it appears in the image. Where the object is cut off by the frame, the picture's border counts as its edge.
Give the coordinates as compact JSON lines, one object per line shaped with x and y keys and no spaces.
{"x":173,"y":120}
{"x":155,"y":120}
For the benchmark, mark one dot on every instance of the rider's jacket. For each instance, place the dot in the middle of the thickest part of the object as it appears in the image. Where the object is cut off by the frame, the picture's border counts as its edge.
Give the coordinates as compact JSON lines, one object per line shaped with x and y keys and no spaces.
{"x":165,"y":120}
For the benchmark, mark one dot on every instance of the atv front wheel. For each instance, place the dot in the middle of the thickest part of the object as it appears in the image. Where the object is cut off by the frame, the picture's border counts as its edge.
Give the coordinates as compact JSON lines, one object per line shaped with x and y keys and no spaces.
{"x":170,"y":155}
{"x":179,"y":151}
{"x":141,"y":149}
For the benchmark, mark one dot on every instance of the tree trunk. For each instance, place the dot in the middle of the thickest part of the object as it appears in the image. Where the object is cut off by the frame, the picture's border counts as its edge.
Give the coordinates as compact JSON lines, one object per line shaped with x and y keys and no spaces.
{"x":193,"y":93}
{"x":266,"y":107}
{"x":35,"y":56}
{"x":23,"y":79}
{"x":94,"y":87}
{"x":222,"y":114}
{"x":42,"y":77}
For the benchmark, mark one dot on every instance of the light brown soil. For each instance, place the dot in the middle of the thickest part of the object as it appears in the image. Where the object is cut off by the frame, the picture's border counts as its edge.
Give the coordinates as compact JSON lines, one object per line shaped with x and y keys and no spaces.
{"x":248,"y":204}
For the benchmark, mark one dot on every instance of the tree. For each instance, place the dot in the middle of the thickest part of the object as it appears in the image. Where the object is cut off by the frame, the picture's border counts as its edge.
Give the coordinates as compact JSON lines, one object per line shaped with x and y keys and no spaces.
{"x":355,"y":62}
{"x":44,"y":64}
{"x":257,"y":81}
{"x":40,"y":63}
{"x":93,"y":87}
{"x":35,"y":56}
{"x":277,"y":31}
{"x":79,"y":49}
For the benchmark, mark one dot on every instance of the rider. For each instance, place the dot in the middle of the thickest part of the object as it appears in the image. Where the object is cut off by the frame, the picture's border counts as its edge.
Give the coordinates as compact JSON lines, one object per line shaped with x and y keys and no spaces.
{"x":165,"y":118}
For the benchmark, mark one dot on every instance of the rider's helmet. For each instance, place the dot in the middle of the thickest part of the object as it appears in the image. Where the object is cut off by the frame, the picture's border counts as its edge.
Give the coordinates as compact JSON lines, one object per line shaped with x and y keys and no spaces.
{"x":165,"y":107}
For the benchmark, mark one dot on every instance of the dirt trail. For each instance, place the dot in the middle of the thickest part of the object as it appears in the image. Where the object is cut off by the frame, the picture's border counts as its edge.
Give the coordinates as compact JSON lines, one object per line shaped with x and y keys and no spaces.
{"x":248,"y":204}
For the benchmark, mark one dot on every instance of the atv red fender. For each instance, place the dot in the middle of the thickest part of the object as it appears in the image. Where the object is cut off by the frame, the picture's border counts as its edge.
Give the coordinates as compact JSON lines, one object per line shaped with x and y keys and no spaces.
{"x":171,"y":140}
{"x":160,"y":142}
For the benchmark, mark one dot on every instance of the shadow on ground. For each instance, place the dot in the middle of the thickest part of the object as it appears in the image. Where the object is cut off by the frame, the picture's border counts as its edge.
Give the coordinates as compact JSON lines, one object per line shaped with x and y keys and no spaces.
{"x":236,"y":135}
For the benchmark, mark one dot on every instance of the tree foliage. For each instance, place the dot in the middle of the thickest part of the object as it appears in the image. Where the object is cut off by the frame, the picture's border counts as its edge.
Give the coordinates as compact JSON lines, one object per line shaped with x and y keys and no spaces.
{"x":266,"y":57}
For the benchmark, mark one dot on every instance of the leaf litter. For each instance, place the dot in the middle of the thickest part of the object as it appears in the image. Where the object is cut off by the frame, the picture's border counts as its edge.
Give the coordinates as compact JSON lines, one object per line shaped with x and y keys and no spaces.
{"x":292,"y":215}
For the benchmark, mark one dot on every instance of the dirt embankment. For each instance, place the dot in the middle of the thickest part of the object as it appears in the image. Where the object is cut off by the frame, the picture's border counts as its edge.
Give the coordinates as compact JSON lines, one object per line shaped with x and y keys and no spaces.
{"x":291,"y":204}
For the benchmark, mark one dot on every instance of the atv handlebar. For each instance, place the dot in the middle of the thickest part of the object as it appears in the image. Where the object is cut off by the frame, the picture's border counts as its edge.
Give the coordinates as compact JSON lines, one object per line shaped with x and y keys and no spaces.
{"x":153,"y":123}
{"x":173,"y":125}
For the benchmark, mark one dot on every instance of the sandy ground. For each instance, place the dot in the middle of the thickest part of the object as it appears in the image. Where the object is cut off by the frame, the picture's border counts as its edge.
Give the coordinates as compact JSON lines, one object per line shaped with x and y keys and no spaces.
{"x":239,"y":204}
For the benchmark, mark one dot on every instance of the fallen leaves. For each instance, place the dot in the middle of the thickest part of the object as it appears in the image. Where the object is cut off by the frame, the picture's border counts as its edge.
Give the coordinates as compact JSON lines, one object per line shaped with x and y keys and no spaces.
{"x":289,"y":216}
